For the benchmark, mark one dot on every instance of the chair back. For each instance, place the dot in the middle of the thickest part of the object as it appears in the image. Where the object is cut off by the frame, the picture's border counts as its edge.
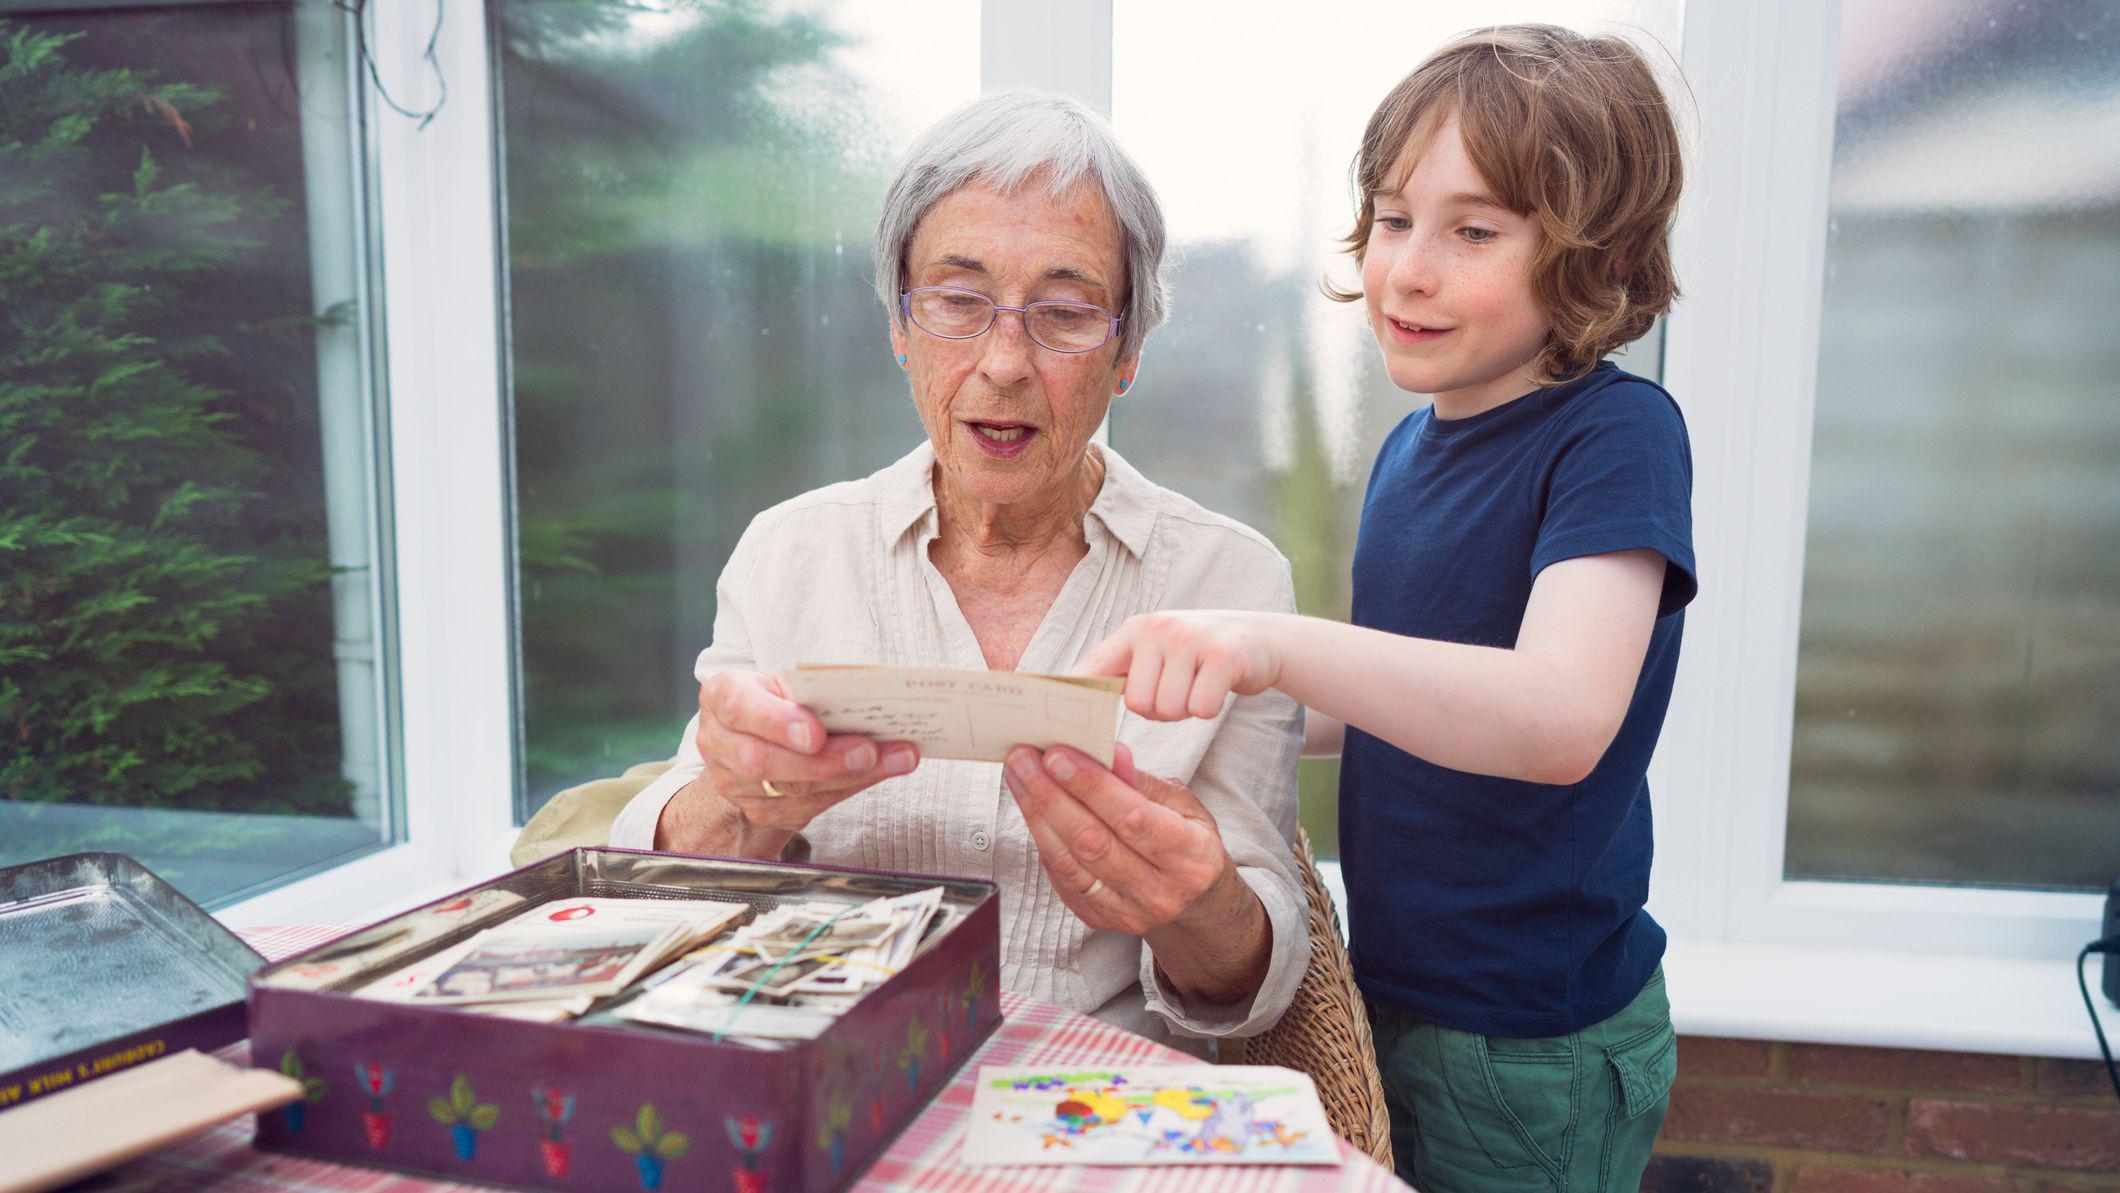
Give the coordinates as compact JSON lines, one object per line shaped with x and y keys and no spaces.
{"x":1326,"y":1030}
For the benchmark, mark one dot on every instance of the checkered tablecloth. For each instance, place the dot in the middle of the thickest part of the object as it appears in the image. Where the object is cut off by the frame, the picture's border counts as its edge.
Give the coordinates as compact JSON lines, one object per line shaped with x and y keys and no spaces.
{"x":925,"y":1156}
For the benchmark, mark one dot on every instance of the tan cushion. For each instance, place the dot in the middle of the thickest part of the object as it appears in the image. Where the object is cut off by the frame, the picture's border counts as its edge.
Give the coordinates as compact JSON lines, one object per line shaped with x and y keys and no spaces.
{"x":582,"y":815}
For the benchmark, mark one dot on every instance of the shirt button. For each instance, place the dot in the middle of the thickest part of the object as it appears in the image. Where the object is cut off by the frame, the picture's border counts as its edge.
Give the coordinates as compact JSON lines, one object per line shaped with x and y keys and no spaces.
{"x":980,"y":840}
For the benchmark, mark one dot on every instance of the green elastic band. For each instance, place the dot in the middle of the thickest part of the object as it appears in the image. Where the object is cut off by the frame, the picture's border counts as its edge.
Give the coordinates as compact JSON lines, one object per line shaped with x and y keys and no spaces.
{"x":792,"y":953}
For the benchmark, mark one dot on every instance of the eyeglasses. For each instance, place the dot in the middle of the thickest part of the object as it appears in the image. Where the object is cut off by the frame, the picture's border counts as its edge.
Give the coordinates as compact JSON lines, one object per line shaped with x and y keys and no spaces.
{"x":954,"y":313}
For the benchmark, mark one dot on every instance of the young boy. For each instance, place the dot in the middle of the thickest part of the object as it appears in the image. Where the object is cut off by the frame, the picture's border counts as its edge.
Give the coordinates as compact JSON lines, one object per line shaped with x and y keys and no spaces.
{"x":1524,"y":557}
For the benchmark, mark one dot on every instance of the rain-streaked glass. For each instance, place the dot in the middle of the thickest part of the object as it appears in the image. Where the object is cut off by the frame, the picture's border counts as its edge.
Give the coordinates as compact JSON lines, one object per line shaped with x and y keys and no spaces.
{"x":1260,"y":398}
{"x":691,"y":191}
{"x":195,"y":658}
{"x":1958,"y":680}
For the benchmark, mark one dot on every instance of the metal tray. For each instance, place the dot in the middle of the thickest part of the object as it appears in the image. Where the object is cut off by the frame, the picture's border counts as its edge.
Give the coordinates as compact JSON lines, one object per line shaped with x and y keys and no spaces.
{"x":102,"y":966}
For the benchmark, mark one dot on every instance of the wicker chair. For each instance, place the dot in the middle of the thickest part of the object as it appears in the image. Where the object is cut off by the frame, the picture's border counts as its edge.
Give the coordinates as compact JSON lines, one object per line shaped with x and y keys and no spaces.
{"x":1326,"y":1030}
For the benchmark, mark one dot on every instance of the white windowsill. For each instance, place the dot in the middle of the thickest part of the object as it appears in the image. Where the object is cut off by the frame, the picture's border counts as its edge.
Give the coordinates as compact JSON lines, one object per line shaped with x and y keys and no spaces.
{"x":1942,"y":1002}
{"x":1939,"y":1002}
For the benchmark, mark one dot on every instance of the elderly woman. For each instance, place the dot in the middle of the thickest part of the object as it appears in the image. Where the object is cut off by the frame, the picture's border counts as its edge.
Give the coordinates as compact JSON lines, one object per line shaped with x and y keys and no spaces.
{"x":1019,"y":257}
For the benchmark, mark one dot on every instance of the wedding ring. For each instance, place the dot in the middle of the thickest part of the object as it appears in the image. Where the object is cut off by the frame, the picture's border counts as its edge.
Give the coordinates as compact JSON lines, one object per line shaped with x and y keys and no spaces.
{"x":1094,"y":887}
{"x":771,"y":790}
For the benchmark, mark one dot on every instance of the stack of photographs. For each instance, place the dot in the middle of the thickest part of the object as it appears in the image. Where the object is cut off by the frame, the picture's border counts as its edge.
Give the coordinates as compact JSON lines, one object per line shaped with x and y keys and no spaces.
{"x":552,"y":962}
{"x":788,"y":974}
{"x":364,"y":951}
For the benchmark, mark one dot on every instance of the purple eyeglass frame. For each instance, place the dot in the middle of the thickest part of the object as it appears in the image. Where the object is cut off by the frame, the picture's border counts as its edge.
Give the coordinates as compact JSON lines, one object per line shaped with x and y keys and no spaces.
{"x":1111,"y":332}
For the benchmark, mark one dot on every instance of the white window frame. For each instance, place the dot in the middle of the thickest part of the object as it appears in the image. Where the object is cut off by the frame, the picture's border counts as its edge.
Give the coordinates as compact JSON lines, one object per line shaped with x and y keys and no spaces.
{"x":1753,"y":953}
{"x":447,"y":439}
{"x":435,"y":191}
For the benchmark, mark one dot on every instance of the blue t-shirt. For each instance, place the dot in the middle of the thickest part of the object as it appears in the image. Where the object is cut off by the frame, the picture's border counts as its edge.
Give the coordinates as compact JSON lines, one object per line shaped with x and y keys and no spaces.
{"x":1493,"y":905}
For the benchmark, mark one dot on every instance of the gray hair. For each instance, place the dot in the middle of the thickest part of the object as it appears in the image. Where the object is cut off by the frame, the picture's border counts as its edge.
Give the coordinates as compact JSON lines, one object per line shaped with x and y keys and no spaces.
{"x":1004,"y":140}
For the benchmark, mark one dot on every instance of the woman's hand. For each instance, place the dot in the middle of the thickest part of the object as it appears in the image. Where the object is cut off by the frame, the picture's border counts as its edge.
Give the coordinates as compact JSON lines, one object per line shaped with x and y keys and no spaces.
{"x":1138,"y":854}
{"x":1185,"y":663}
{"x":752,"y":736}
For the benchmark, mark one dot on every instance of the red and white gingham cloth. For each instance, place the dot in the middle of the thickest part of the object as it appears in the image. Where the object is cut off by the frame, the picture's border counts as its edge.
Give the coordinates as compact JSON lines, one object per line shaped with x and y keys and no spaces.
{"x":925,"y":1156}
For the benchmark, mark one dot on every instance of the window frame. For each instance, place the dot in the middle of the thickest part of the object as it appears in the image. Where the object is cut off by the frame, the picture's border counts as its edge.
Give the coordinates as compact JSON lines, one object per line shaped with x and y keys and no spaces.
{"x":1752,"y":952}
{"x":443,"y":462}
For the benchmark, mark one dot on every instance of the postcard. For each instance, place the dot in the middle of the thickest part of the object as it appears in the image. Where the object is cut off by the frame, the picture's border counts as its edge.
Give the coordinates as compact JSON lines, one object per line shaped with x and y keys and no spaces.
{"x":567,"y":949}
{"x":557,"y":965}
{"x":1149,"y":1114}
{"x":960,"y":713}
{"x":368,"y":951}
{"x":701,"y":917}
{"x":789,"y":973}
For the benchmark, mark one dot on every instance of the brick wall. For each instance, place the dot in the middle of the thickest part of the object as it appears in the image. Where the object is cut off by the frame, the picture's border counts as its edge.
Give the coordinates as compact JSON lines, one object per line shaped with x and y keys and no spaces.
{"x":1749,"y":1116}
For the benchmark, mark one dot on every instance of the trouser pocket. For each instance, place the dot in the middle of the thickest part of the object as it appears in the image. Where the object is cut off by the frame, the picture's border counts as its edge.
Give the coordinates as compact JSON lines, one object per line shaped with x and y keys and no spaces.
{"x":1516,"y":1098}
{"x":1644,"y":1069}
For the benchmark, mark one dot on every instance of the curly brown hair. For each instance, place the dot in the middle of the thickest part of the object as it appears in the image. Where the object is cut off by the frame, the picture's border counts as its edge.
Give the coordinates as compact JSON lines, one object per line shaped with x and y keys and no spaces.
{"x":1571,"y":131}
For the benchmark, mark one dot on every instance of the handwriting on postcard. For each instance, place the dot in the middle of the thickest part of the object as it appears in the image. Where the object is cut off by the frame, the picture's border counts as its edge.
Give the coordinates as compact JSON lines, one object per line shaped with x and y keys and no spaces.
{"x":952,"y":713}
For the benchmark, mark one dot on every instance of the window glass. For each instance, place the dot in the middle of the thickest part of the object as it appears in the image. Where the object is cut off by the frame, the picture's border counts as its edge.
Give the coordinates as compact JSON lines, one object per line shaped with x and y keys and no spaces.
{"x":1959,"y":667}
{"x":1260,"y":398}
{"x":691,"y":190}
{"x":193,"y":653}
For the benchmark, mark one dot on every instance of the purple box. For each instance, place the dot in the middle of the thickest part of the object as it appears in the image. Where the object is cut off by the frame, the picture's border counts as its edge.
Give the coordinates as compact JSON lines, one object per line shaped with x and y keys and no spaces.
{"x":452,"y":1094}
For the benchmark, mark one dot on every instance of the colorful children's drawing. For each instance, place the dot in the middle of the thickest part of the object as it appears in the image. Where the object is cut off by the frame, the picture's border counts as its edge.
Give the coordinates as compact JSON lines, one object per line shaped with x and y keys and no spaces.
{"x":1154,"y":1114}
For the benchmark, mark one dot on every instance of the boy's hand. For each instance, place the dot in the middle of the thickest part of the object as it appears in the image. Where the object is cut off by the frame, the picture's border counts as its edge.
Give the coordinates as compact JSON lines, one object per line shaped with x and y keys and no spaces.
{"x":1185,"y":663}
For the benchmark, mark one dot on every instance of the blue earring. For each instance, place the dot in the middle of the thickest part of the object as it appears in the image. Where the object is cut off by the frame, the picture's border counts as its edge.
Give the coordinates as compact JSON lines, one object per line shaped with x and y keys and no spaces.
{"x":1123,"y":383}
{"x":901,"y":358}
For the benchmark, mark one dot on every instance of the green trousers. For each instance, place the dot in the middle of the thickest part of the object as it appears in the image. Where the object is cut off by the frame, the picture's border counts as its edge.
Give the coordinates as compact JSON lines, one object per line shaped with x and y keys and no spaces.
{"x":1565,"y":1114}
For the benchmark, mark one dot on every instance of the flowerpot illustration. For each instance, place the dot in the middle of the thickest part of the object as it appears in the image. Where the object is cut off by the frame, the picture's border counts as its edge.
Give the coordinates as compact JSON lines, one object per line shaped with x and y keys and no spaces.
{"x":378,"y":1081}
{"x":832,"y":1135}
{"x":464,"y":1115}
{"x":916,"y":1037}
{"x":751,"y":1136}
{"x":973,"y":984}
{"x":649,"y":1145}
{"x":297,"y":1113}
{"x":555,"y":1106}
{"x":557,"y":1154}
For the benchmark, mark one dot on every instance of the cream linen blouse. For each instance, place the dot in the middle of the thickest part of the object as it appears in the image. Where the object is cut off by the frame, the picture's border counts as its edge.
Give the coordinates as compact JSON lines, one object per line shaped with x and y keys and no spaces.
{"x":842,"y":575}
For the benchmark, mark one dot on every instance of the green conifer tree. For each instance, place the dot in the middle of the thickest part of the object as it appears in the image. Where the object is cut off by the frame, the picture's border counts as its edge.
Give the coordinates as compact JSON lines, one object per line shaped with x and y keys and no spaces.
{"x":160,"y":598}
